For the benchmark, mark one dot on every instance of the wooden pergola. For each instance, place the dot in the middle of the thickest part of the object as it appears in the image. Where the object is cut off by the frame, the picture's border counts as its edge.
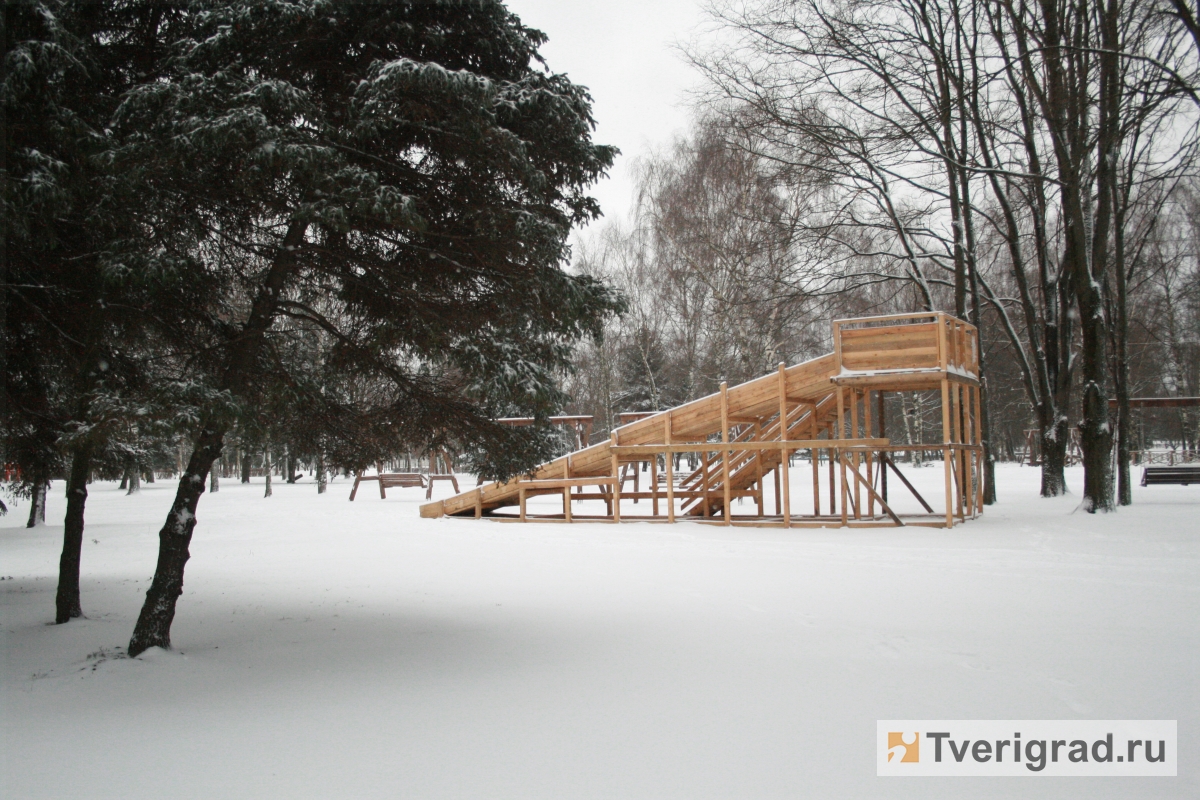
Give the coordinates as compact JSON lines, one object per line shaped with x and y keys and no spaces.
{"x":744,"y":435}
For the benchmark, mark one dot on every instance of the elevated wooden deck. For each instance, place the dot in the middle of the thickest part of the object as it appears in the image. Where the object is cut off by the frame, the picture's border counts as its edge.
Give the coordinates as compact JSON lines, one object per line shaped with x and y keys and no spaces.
{"x":744,"y":433}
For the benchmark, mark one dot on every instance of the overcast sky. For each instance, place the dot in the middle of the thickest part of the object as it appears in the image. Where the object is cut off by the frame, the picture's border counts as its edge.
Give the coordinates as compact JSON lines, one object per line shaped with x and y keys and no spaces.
{"x":624,"y":52}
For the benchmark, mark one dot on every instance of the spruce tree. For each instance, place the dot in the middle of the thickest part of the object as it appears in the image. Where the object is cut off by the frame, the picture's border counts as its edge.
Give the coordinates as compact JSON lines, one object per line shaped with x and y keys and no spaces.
{"x":401,"y":178}
{"x":72,"y":317}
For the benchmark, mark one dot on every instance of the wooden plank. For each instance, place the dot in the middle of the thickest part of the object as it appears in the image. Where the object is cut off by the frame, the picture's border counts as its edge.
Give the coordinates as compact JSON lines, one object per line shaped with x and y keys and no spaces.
{"x":922,"y":358}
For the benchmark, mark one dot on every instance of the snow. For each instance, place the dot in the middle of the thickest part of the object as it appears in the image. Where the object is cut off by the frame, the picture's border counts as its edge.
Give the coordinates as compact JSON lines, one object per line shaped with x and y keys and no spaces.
{"x":334,"y":649}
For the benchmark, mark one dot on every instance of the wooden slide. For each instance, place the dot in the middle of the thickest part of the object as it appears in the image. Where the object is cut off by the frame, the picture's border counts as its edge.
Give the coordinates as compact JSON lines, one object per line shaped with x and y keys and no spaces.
{"x":825,"y":405}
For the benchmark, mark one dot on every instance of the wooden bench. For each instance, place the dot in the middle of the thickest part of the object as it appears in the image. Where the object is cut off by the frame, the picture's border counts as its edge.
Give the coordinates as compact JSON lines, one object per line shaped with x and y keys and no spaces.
{"x":1183,"y":474}
{"x":389,"y":480}
{"x":447,"y":477}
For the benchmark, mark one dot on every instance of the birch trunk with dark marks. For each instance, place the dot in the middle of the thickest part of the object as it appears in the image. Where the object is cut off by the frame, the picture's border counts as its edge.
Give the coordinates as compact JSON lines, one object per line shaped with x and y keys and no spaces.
{"x":153,"y":628}
{"x":67,"y":602}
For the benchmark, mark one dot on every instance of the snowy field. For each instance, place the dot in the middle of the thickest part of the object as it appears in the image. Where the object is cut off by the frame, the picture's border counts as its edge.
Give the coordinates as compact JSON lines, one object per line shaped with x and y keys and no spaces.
{"x":333,"y":649}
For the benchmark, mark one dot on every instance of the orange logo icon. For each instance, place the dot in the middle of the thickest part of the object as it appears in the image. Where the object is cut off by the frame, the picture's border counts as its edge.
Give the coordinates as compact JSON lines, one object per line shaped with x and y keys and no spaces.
{"x":904,"y":747}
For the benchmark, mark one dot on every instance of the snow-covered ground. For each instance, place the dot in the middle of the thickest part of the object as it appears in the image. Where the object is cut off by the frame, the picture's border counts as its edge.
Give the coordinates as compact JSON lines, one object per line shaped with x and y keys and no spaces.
{"x":334,"y":649}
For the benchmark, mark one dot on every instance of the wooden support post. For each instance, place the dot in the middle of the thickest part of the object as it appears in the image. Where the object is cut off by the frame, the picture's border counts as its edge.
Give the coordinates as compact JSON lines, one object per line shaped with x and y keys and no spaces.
{"x":725,"y":453}
{"x":854,"y":457}
{"x":521,"y":500}
{"x":868,"y":433}
{"x":816,"y":474}
{"x":841,"y":456}
{"x":979,"y":441}
{"x":478,"y":503}
{"x":968,"y":455}
{"x":956,"y":426}
{"x":758,"y":470}
{"x":832,"y":477}
{"x":654,"y":484}
{"x":637,"y":471}
{"x":670,"y":470}
{"x":567,"y":489}
{"x":816,"y":481}
{"x":947,"y":453}
{"x":707,"y":511}
{"x":783,"y":453}
{"x":778,"y":499}
{"x":882,"y":435}
{"x":616,"y":486}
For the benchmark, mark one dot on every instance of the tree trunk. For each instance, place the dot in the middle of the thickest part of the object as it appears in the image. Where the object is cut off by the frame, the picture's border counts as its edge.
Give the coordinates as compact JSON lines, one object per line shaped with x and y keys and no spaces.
{"x":37,"y":505}
{"x":67,"y":603}
{"x":124,"y":479}
{"x":1121,"y":384}
{"x":135,"y":479}
{"x":246,"y":466}
{"x":267,"y":468}
{"x":322,"y":473}
{"x":149,"y":476}
{"x":153,"y":627}
{"x":1054,"y":440}
{"x":214,"y":481}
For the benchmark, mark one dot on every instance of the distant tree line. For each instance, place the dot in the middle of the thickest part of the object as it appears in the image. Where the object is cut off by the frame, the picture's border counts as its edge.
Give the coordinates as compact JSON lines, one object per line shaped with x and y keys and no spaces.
{"x":1028,"y":167}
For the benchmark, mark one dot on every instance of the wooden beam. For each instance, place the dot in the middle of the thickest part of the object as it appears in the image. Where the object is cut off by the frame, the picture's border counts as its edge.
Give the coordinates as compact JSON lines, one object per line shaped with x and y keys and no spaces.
{"x":871,"y":491}
{"x":734,"y":447}
{"x":670,"y":470}
{"x":947,"y":453}
{"x":841,"y":434}
{"x":854,"y":398}
{"x":783,"y":451}
{"x":868,"y":457}
{"x":886,"y":461}
{"x":816,"y":476}
{"x":725,"y":453}
{"x":616,"y":473}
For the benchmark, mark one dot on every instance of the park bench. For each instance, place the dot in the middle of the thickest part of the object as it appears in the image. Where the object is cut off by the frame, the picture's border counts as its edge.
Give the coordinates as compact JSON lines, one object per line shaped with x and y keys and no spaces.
{"x":447,"y":477}
{"x":1181,"y":474}
{"x":389,"y":480}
